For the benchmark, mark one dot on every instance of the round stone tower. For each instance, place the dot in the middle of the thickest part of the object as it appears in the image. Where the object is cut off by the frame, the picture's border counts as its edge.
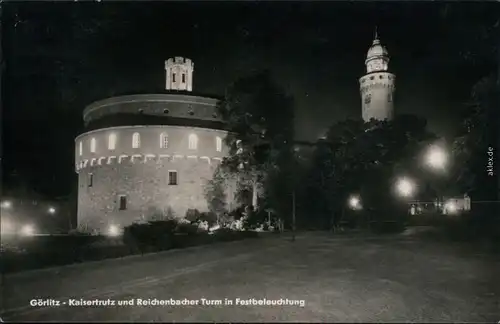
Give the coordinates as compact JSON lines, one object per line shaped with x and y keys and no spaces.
{"x":377,"y":86}
{"x":146,"y":156}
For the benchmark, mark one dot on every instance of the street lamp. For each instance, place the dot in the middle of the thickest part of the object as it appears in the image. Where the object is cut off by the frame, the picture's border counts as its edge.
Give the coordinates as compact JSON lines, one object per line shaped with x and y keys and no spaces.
{"x":6,"y":204}
{"x":354,"y":202}
{"x":405,"y":187}
{"x":451,"y":207}
{"x":113,"y":230}
{"x":27,"y":230}
{"x":52,"y":210}
{"x":436,"y":158}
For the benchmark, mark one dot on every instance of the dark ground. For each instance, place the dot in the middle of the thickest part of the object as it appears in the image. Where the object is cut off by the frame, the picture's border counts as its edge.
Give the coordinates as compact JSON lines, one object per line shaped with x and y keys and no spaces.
{"x":351,"y":279}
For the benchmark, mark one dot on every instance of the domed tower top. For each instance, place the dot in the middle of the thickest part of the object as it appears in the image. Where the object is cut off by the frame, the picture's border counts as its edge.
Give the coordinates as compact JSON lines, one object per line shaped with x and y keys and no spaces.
{"x":179,"y":74}
{"x":377,"y":58}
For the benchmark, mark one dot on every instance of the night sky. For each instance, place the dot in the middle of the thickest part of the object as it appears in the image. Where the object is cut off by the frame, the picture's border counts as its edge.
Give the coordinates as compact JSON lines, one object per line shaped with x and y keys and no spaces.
{"x":59,"y":57}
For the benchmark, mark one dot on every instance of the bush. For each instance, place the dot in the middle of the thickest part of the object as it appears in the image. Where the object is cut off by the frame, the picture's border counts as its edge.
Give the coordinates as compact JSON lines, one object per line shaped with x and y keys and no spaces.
{"x":152,"y":236}
{"x":256,"y":219}
{"x":189,"y":229}
{"x":237,"y":213}
{"x":192,"y":215}
{"x":224,"y":234}
{"x":209,"y":217}
{"x":136,"y":237}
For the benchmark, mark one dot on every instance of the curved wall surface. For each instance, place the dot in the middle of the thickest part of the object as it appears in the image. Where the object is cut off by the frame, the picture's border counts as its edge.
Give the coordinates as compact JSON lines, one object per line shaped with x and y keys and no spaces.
{"x":132,"y":172}
{"x":160,"y":105}
{"x":377,"y":95}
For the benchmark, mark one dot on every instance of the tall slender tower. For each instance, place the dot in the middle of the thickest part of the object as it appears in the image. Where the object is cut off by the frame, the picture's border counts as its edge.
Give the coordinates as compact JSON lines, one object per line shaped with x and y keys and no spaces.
{"x":179,"y":74}
{"x":377,"y":85}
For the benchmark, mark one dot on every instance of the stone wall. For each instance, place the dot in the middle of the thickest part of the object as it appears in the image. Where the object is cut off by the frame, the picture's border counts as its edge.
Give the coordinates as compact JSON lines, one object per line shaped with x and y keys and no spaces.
{"x":380,"y":87}
{"x":142,"y":174}
{"x":161,"y":105}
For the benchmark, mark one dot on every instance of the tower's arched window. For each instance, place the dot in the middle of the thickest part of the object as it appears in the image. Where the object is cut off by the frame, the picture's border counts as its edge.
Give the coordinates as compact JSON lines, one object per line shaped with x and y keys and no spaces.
{"x":93,"y":145}
{"x":218,"y":144}
{"x":136,"y":140}
{"x":164,"y":140}
{"x":112,"y":142}
{"x":193,"y":142}
{"x":81,"y":148}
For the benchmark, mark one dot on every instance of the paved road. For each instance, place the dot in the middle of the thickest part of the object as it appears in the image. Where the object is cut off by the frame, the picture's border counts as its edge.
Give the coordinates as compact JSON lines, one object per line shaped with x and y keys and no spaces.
{"x":338,"y":279}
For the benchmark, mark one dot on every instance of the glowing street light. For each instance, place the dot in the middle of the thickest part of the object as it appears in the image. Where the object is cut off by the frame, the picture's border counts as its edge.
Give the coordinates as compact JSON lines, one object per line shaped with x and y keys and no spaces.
{"x":52,"y":210}
{"x":113,"y":230}
{"x":436,"y":158}
{"x":451,"y":207}
{"x":355,"y":202}
{"x":27,"y":230}
{"x":6,"y":204}
{"x":405,"y":187}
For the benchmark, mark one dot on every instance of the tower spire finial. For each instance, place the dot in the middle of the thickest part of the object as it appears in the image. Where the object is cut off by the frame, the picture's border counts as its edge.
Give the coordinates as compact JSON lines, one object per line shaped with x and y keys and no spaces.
{"x":376,"y":33}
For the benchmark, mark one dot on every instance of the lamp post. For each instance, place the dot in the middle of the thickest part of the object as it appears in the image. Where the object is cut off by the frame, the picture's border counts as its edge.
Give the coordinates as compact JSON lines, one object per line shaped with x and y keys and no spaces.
{"x":436,"y":159}
{"x":405,"y":187}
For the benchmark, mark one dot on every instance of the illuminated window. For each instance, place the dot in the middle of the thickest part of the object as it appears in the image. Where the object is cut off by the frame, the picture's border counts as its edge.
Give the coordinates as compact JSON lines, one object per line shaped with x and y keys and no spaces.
{"x":193,"y":142}
{"x":90,"y":180}
{"x":123,"y":203}
{"x":218,"y":144}
{"x":81,"y":148}
{"x":93,"y":145}
{"x":172,"y":178}
{"x":163,"y":140}
{"x":112,"y":141}
{"x":136,"y":140}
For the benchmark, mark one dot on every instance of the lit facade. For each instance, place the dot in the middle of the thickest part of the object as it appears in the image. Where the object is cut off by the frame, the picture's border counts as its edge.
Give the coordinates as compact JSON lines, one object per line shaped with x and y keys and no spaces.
{"x":148,"y":155}
{"x":377,"y":86}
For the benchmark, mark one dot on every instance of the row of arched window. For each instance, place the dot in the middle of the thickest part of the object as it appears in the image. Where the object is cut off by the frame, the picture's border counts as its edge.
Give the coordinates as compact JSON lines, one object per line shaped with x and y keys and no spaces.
{"x":373,"y":78}
{"x":136,"y":142}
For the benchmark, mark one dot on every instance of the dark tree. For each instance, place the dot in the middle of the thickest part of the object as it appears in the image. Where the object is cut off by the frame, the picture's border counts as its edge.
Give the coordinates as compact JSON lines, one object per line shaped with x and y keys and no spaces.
{"x":363,"y":158}
{"x":260,"y":115}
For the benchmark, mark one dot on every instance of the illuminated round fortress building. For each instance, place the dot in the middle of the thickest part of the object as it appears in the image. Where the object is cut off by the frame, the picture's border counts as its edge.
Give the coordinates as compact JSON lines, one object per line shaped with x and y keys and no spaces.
{"x":377,"y":86}
{"x":148,"y":154}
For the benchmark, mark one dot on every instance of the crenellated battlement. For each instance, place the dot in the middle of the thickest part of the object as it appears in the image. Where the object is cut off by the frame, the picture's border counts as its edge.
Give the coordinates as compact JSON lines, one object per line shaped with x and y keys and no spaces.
{"x":179,"y":60}
{"x":143,"y":159}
